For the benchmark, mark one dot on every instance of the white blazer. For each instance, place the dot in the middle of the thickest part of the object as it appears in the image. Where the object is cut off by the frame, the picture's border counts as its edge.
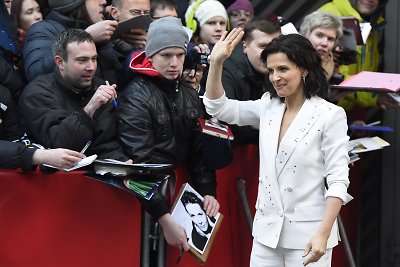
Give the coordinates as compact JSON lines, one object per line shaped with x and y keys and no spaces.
{"x":291,"y":193}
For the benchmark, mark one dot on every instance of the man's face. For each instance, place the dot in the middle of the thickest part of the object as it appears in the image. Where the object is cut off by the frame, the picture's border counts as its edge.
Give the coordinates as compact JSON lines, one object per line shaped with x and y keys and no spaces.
{"x":130,"y":9}
{"x":169,"y":62}
{"x":80,"y":66}
{"x":95,"y":9}
{"x":367,"y":7}
{"x":255,"y":46}
{"x":160,"y":12}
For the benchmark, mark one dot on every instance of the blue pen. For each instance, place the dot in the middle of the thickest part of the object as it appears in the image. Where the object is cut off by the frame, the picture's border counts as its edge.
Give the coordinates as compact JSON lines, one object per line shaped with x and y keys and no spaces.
{"x":114,"y":100}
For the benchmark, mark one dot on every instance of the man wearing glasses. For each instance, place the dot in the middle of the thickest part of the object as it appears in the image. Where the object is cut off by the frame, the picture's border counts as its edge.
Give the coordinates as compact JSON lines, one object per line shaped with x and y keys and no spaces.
{"x":126,"y":9}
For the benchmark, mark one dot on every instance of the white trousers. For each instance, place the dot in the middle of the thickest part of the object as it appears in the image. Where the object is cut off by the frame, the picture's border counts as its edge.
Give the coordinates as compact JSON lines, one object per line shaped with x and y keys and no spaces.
{"x":263,"y":256}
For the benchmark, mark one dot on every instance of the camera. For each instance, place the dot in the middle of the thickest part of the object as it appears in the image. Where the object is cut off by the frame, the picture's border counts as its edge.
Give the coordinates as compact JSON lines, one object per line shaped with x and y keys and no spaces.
{"x":195,"y":59}
{"x":347,"y":57}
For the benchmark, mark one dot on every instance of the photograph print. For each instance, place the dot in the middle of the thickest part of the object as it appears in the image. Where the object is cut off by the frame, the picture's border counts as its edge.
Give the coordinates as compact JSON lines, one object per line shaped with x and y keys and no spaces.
{"x":189,"y":213}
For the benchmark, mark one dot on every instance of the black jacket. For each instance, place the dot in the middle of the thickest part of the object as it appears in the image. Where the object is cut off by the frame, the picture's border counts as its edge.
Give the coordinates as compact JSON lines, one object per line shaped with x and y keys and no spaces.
{"x":16,"y":155}
{"x":52,"y":113}
{"x":39,"y":59}
{"x":242,"y":82}
{"x":157,"y":122}
{"x":10,"y":127}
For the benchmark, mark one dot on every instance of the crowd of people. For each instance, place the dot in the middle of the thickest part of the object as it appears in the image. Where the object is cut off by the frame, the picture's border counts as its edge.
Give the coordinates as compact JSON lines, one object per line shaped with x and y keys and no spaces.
{"x":65,"y":80}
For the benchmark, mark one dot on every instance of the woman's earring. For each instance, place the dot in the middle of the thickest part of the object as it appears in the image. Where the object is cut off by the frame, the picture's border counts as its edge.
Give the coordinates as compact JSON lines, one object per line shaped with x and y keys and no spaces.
{"x":304,"y":80}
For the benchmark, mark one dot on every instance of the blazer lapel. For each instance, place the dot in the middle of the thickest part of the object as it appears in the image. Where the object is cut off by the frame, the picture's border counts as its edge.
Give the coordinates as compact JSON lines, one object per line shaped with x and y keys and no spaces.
{"x":304,"y":120}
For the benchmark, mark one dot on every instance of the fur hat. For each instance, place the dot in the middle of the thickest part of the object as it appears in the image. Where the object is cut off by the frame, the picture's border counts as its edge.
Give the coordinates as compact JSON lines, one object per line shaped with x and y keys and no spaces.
{"x":164,"y":33}
{"x":64,"y":6}
{"x":241,"y":5}
{"x":207,"y":10}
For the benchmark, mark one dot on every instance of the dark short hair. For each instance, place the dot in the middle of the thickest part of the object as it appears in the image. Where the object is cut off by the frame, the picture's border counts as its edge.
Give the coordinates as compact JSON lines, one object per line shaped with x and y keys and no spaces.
{"x":69,"y":36}
{"x":190,"y":198}
{"x":154,"y":4}
{"x":260,"y":24}
{"x":300,"y":51}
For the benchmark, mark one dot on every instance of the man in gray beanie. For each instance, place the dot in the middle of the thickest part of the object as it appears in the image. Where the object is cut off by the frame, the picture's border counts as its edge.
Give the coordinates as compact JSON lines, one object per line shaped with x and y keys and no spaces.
{"x":157,"y":120}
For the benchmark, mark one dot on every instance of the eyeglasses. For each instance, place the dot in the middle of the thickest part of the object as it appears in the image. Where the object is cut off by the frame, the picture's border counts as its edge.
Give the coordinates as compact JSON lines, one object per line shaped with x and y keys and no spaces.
{"x":136,"y":12}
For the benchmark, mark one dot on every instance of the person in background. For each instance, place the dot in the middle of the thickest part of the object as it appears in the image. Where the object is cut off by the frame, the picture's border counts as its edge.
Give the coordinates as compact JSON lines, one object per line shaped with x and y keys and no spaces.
{"x":368,"y":55}
{"x":70,"y":106}
{"x":208,"y":20}
{"x":122,"y":10}
{"x":8,"y":5}
{"x":240,"y":13}
{"x":157,"y":120}
{"x":182,"y":6}
{"x":66,"y":14}
{"x":163,"y":8}
{"x":294,"y":120}
{"x":26,"y":13}
{"x":10,"y":75}
{"x":323,"y":30}
{"x":243,"y":74}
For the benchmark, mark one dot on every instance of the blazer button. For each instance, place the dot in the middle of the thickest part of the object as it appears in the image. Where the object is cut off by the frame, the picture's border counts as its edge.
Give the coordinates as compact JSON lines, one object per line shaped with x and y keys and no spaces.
{"x":289,"y":189}
{"x":280,"y":214}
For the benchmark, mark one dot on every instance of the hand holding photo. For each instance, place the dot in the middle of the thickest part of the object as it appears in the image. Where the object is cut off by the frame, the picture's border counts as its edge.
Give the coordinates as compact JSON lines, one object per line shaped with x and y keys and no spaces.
{"x":201,"y":229}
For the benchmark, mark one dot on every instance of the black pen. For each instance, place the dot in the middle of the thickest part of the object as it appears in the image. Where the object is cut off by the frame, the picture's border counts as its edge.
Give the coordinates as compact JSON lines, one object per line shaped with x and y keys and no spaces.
{"x":180,"y":255}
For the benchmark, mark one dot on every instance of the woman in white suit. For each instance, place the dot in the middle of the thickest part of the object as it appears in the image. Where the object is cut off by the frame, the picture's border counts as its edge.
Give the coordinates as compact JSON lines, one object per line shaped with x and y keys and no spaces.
{"x":303,"y":152}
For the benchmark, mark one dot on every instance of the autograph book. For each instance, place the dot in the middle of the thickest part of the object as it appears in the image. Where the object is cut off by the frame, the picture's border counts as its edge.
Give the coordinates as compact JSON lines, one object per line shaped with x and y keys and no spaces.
{"x":200,"y":228}
{"x":141,"y":180}
{"x":139,"y":22}
{"x":215,"y":128}
{"x":372,"y":82}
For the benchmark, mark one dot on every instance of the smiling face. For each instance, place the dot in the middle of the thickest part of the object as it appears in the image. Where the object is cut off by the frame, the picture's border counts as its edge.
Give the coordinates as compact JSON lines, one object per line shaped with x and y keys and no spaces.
{"x":285,"y":76}
{"x":211,"y":31}
{"x":198,"y":215}
{"x":255,"y":45}
{"x":239,"y":18}
{"x":30,"y":14}
{"x":367,"y":7}
{"x":80,"y":66}
{"x":323,"y":40}
{"x":169,"y":62}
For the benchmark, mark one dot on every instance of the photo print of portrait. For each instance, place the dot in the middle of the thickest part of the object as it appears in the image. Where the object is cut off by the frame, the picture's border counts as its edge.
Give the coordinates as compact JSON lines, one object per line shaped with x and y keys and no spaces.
{"x":189,"y":213}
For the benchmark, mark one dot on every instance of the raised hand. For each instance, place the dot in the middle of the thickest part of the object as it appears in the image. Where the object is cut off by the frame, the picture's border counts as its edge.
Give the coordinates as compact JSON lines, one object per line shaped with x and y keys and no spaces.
{"x":103,"y":95}
{"x":224,"y":47}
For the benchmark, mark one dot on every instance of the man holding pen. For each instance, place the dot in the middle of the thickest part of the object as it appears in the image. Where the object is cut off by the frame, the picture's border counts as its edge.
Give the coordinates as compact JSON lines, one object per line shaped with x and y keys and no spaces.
{"x":70,"y":107}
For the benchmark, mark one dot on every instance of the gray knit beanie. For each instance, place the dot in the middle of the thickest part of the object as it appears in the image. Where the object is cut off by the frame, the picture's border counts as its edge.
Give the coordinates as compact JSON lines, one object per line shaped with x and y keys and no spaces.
{"x":65,"y":6}
{"x":164,"y":33}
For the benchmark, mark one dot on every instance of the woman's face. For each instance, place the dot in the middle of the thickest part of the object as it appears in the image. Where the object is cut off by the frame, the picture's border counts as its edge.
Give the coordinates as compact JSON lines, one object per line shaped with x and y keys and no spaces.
{"x":284,"y":75}
{"x":198,"y":215}
{"x":239,"y":18}
{"x":211,"y":31}
{"x":323,"y":40}
{"x":30,"y":14}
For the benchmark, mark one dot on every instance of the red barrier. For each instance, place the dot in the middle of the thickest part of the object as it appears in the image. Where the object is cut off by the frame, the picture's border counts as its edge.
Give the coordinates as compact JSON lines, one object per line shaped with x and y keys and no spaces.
{"x":66,"y":220}
{"x":71,"y":220}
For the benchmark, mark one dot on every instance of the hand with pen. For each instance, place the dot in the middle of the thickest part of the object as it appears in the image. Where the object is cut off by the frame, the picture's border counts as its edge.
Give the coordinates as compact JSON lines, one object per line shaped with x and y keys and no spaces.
{"x":104,"y":94}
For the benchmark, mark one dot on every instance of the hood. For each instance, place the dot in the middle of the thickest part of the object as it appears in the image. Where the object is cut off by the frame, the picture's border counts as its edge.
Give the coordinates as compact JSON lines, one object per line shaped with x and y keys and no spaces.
{"x":139,"y":63}
{"x":376,"y":19}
